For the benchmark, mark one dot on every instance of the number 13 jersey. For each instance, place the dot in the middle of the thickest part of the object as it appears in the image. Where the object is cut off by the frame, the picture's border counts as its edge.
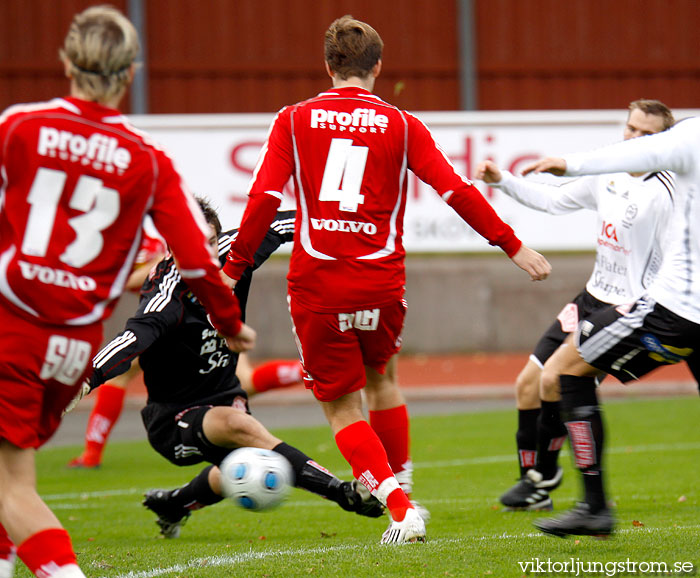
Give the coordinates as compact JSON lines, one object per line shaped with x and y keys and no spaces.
{"x":77,"y":181}
{"x":348,"y":153}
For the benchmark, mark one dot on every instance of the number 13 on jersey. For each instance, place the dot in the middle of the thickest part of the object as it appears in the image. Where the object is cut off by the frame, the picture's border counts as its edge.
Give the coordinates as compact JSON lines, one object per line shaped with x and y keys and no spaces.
{"x":342,"y":176}
{"x":99,"y":206}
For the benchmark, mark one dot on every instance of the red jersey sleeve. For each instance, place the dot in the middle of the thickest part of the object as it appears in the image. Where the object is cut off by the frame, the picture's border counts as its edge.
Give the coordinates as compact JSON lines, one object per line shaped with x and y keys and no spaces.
{"x":431,"y":165}
{"x":179,"y":219}
{"x":275,"y":166}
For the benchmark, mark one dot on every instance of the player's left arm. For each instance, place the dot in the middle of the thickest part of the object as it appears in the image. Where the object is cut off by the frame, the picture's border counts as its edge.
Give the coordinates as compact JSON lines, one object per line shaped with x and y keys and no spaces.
{"x":160,"y":309}
{"x":281,"y":231}
{"x":430,"y":164}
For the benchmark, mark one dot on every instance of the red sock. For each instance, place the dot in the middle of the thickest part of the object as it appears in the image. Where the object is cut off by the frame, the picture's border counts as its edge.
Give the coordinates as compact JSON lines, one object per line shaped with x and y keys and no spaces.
{"x":276,"y":374}
{"x":391,"y":426}
{"x":46,"y":551}
{"x":7,"y":546}
{"x":364,"y":452}
{"x":105,"y":413}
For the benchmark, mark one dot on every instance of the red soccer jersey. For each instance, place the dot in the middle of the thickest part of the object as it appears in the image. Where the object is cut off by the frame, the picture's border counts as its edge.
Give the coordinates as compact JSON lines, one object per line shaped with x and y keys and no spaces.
{"x":77,"y":181}
{"x":348,"y":152}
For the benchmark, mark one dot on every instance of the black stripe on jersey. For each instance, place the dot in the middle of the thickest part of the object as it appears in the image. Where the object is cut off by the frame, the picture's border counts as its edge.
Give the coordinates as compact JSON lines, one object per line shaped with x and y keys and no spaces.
{"x":666,"y":179}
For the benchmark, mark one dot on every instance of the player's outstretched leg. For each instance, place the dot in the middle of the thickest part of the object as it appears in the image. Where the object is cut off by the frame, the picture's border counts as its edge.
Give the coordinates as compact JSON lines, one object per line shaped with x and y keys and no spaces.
{"x":363,"y":450}
{"x":583,"y":419}
{"x":276,"y":374}
{"x":351,"y":496}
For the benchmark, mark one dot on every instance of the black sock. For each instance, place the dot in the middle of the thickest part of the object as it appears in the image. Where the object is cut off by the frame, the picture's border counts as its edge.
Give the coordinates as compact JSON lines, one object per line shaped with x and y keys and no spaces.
{"x":197,"y":493}
{"x":309,"y":475}
{"x":583,"y":419}
{"x":551,"y":435}
{"x":526,"y":439}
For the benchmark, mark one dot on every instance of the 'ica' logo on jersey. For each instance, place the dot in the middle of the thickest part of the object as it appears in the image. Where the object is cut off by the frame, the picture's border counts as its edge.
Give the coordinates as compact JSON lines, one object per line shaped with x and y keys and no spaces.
{"x":609,"y":231}
{"x":99,"y":150}
{"x":360,"y":118}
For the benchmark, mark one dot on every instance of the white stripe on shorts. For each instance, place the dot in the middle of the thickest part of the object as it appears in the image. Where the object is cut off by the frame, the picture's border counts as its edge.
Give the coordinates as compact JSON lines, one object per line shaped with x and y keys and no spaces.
{"x":610,"y":336}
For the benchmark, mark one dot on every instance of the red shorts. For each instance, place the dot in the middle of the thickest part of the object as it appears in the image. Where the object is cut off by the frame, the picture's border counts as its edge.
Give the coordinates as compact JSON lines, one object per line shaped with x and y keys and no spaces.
{"x":41,"y":370}
{"x":335,"y":347}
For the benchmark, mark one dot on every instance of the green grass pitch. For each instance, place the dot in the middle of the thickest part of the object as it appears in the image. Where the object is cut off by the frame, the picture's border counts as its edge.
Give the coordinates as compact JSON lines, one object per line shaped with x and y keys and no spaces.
{"x":463,"y":463}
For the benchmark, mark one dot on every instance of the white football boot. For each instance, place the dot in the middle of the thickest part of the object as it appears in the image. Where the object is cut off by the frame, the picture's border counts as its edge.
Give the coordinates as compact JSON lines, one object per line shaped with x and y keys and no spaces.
{"x":409,"y":530}
{"x":7,"y":567}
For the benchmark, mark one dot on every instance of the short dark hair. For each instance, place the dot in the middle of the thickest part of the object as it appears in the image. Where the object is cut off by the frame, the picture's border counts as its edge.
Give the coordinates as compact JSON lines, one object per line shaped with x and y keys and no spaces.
{"x":655,"y":108}
{"x":352,"y":48}
{"x":210,"y":214}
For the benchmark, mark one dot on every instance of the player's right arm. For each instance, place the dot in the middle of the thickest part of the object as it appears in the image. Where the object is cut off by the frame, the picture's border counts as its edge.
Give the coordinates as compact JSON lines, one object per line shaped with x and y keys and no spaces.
{"x":553,"y":199}
{"x":275,"y":166}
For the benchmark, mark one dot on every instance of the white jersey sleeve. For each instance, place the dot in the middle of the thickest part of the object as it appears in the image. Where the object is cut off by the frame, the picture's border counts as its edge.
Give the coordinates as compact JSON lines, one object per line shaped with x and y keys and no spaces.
{"x":674,"y":150}
{"x":553,"y":199}
{"x":677,"y":286}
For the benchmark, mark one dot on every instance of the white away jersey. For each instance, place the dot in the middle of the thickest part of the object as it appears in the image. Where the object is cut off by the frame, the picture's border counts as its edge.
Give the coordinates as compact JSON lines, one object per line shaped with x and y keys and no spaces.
{"x":677,"y":286}
{"x":632,"y":217}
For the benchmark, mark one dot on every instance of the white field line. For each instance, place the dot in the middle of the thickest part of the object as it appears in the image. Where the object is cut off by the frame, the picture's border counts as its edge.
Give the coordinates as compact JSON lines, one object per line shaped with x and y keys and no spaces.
{"x":420,"y":465}
{"x":237,"y":559}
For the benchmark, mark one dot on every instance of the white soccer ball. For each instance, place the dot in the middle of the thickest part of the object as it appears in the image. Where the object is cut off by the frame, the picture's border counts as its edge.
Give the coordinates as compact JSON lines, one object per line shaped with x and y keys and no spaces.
{"x":256,"y":479}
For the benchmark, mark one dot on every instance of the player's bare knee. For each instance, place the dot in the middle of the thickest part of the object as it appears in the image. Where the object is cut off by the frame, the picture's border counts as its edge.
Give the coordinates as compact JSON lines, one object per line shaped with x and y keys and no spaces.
{"x":549,"y":384}
{"x":527,"y":389}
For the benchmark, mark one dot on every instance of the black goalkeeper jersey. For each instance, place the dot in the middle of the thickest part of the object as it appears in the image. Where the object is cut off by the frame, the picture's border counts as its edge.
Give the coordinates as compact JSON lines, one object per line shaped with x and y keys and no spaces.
{"x":185,"y":361}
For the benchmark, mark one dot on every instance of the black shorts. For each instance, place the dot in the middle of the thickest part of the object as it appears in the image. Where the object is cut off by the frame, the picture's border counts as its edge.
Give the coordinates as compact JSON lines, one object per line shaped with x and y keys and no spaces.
{"x":178,"y":435}
{"x":630,"y":341}
{"x":582,"y":306}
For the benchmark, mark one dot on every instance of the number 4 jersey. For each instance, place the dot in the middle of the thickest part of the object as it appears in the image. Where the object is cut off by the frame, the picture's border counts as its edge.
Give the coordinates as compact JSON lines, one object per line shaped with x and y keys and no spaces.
{"x":348,"y":152}
{"x":77,"y":181}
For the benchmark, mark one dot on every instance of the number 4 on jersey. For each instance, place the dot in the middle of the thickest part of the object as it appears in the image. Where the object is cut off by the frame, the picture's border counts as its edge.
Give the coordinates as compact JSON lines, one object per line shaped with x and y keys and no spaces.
{"x":342,"y":177}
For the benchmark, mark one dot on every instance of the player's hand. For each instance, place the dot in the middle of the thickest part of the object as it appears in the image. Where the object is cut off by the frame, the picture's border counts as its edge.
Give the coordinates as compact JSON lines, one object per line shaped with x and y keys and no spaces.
{"x":230,"y":283}
{"x":82,"y":392}
{"x":244,"y":341}
{"x":553,"y":165}
{"x":532,"y":263}
{"x":488,"y":172}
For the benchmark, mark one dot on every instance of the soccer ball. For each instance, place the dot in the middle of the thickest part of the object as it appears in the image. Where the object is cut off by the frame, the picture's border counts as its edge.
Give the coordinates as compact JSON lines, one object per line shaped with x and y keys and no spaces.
{"x":256,"y":479}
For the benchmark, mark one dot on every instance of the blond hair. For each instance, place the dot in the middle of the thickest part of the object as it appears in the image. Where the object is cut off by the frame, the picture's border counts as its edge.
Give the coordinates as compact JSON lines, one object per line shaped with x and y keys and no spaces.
{"x":100,"y":47}
{"x":352,"y":47}
{"x":654,"y":108}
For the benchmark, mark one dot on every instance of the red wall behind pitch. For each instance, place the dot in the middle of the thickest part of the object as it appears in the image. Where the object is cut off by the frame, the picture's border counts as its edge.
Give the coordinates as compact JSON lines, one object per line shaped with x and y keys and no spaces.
{"x":549,"y":54}
{"x":254,"y":56}
{"x":257,"y":55}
